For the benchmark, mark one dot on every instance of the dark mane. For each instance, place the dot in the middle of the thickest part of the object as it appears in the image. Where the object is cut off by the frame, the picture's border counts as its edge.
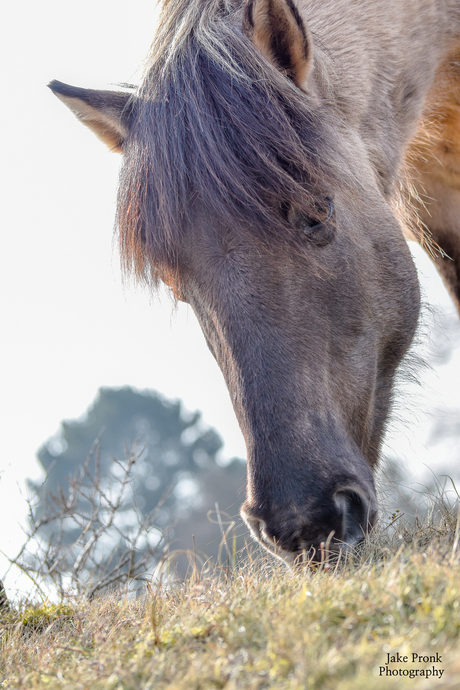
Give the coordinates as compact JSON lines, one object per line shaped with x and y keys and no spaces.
{"x":214,"y":119}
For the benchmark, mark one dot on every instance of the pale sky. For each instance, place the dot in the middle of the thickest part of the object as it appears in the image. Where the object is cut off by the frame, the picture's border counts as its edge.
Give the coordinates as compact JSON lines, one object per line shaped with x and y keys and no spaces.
{"x":68,"y":325}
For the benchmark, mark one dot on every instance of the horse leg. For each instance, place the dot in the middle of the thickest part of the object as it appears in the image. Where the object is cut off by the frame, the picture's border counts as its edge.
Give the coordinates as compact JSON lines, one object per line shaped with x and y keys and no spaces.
{"x":440,"y":213}
{"x":3,"y":597}
{"x":434,"y":160}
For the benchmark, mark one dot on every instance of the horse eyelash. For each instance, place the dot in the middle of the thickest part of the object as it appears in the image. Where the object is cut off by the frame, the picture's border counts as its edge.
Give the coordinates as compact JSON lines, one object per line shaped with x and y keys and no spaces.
{"x":306,"y":224}
{"x":320,"y":224}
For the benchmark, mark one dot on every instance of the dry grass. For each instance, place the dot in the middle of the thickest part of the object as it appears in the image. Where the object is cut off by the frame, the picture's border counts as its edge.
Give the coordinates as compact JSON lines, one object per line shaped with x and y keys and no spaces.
{"x":259,"y":626}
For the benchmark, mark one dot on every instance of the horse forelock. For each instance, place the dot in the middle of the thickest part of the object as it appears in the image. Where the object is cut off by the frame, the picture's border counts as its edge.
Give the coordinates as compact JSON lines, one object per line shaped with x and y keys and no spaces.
{"x":215,"y":121}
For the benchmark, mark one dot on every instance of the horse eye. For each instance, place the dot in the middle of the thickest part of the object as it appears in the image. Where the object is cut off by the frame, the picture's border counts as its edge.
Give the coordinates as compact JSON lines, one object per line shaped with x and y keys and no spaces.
{"x":319,"y":232}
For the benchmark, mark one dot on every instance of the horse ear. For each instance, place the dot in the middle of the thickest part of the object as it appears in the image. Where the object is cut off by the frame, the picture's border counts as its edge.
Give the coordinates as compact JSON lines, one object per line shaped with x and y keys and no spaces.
{"x":107,"y":113}
{"x":278,"y":31}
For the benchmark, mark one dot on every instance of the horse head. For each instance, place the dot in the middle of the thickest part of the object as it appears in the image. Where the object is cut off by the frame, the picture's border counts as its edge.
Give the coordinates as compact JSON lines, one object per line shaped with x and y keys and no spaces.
{"x":245,"y":190}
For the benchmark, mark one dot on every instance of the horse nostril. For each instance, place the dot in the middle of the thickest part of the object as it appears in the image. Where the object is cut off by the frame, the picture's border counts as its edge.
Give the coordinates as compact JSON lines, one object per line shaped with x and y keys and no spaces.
{"x":357,"y":514}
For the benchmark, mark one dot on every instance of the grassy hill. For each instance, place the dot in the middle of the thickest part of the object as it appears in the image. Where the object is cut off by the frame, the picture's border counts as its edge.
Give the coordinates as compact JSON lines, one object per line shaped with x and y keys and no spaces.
{"x":260,"y":625}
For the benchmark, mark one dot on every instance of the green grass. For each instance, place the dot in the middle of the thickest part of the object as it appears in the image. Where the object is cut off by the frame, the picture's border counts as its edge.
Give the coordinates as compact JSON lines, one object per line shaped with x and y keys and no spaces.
{"x":259,"y":626}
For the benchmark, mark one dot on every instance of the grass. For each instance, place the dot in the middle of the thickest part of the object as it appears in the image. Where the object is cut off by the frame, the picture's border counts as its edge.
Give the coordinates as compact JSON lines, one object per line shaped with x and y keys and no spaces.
{"x":258,"y":625}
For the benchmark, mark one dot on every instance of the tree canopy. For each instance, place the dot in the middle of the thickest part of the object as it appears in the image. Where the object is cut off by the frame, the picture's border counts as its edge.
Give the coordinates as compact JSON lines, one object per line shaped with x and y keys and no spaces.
{"x":176,"y":472}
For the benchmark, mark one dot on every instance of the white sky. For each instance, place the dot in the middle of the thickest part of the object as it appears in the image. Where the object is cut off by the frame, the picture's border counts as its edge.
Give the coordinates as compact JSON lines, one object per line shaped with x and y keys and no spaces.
{"x":68,"y":325}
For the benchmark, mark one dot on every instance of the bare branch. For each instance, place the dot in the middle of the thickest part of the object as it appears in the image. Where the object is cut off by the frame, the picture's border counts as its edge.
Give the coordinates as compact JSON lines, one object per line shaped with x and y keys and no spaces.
{"x":106,"y":548}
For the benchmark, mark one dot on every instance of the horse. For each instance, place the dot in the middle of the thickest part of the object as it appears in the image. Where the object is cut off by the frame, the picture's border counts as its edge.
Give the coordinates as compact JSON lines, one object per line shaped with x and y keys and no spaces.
{"x":274,"y":157}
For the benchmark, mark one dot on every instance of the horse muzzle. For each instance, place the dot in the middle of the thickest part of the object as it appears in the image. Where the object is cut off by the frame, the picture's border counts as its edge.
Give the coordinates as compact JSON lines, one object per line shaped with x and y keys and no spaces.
{"x":334,"y":524}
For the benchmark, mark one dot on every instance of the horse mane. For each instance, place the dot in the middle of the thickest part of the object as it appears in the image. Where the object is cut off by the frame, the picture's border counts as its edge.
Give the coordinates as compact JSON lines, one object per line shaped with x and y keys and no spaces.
{"x":214,"y":120}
